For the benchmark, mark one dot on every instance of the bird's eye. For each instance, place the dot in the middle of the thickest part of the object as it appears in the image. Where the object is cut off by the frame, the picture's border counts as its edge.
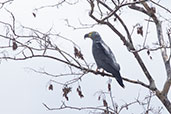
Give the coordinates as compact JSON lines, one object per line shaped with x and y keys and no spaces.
{"x":90,"y":34}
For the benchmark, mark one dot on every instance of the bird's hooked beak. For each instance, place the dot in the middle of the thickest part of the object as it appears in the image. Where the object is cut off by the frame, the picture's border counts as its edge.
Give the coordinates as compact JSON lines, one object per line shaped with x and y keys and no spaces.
{"x":87,"y":35}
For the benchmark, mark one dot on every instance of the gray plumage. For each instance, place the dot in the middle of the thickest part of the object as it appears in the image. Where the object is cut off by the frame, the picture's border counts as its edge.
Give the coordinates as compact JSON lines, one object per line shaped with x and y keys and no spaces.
{"x":104,"y":57}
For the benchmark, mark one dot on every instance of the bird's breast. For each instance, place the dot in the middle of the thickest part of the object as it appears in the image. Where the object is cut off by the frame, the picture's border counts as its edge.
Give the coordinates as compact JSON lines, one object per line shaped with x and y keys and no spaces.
{"x":98,"y":55}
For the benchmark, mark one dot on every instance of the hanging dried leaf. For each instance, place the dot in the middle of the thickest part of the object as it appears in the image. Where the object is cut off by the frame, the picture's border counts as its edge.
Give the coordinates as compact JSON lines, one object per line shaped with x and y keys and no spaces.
{"x":34,"y":14}
{"x":109,"y":87}
{"x":66,"y":90}
{"x":50,"y":87}
{"x":78,"y":53}
{"x":148,"y":53}
{"x":106,"y":111}
{"x":14,"y":45}
{"x":105,"y":103}
{"x":99,"y":98}
{"x":80,"y":92}
{"x":115,"y":19}
{"x":140,"y":30}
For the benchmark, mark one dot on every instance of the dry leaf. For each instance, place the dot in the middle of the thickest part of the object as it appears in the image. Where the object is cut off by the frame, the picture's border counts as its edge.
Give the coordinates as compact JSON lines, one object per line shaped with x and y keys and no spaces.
{"x":109,"y":87}
{"x":99,"y":98}
{"x":78,"y":53}
{"x":148,"y":53}
{"x":14,"y":45}
{"x":105,"y":103}
{"x":34,"y":14}
{"x":140,"y":30}
{"x":80,"y":92}
{"x":66,"y":90}
{"x":50,"y":87}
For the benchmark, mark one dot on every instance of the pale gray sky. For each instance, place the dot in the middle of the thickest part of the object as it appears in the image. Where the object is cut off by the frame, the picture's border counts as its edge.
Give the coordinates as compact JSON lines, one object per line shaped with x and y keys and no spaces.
{"x":23,"y":91}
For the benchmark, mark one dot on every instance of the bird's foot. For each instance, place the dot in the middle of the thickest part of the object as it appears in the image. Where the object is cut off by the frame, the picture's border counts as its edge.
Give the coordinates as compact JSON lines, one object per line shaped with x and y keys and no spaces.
{"x":97,"y":71}
{"x":100,"y":72}
{"x":103,"y":73}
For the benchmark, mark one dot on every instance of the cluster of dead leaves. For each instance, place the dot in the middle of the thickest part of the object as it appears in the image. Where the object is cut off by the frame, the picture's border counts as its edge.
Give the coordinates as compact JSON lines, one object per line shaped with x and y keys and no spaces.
{"x":78,"y":54}
{"x":66,"y":90}
{"x":140,"y":30}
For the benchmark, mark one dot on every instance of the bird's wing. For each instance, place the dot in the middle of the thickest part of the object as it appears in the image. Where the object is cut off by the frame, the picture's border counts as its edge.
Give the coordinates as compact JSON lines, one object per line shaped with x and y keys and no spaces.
{"x":109,"y":56}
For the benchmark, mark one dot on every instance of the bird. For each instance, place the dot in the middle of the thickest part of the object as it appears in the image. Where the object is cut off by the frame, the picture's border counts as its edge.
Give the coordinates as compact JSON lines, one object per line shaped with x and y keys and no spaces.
{"x":104,"y":57}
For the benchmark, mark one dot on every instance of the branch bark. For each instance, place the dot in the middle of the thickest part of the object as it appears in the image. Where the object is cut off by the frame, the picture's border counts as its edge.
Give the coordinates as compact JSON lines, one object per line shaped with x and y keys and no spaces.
{"x":84,"y":69}
{"x":163,"y":94}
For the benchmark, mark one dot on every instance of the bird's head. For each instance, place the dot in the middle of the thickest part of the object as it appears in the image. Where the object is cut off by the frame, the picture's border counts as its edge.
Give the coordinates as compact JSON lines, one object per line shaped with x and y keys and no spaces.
{"x":93,"y":35}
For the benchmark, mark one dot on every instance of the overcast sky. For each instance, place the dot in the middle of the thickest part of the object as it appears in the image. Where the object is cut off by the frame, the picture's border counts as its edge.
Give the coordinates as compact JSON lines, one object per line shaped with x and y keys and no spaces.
{"x":23,"y":91}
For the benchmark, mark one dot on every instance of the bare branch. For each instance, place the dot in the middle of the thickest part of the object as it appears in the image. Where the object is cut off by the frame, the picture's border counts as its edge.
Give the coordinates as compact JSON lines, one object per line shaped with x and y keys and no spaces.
{"x":160,"y":6}
{"x":163,"y":95}
{"x":54,"y":75}
{"x":3,"y":3}
{"x":163,"y":50}
{"x":83,"y":26}
{"x":64,"y":106}
{"x":57,"y":4}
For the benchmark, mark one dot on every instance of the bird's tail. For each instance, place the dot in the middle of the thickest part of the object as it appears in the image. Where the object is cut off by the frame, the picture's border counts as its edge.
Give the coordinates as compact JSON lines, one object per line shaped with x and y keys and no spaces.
{"x":119,"y":80}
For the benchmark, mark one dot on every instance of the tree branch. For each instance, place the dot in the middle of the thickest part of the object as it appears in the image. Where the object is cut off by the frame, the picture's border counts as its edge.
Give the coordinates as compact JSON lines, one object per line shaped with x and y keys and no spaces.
{"x":84,"y":69}
{"x":5,"y":2}
{"x":161,"y":95}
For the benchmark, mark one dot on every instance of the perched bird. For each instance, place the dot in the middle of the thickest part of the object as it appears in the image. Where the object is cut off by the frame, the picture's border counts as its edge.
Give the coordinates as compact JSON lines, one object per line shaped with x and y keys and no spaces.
{"x":104,"y":57}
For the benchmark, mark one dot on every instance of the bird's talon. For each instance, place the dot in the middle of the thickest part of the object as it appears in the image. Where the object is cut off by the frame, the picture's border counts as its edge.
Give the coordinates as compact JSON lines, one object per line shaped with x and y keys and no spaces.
{"x":103,"y":73}
{"x":97,"y":70}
